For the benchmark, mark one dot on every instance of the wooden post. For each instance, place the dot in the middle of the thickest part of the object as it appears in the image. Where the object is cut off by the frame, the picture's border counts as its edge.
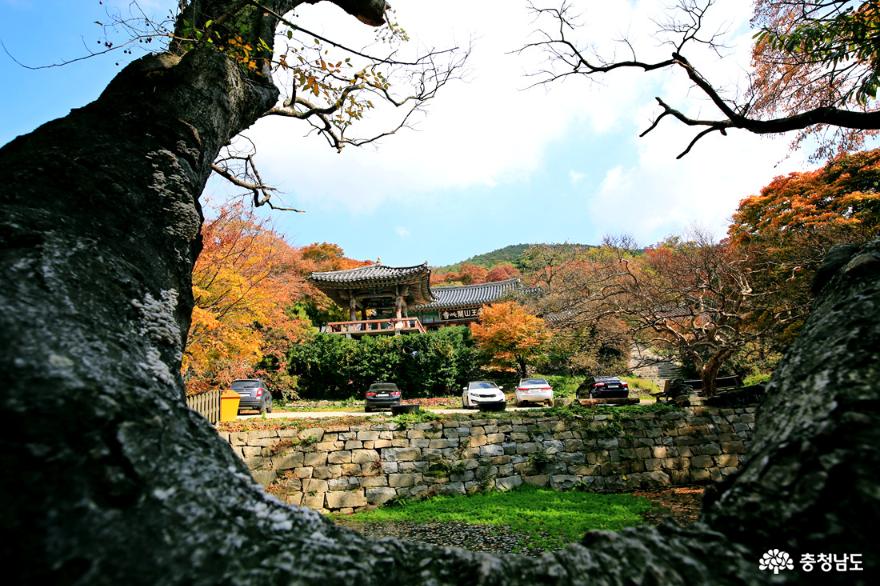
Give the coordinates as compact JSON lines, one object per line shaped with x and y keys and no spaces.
{"x":352,"y":306}
{"x":398,"y":303}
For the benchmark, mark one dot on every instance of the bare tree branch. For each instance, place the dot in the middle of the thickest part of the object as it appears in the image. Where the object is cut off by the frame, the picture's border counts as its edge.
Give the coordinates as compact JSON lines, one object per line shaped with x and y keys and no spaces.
{"x":240,"y":169}
{"x":567,"y":59}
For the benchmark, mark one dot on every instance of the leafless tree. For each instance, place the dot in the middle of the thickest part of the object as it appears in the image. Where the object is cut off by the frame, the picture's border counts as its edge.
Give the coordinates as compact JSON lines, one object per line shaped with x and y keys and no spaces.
{"x":793,"y":89}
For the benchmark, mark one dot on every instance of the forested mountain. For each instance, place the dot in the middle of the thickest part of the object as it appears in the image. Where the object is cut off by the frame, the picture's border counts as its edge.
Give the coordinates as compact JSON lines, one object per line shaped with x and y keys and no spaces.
{"x":513,"y":254}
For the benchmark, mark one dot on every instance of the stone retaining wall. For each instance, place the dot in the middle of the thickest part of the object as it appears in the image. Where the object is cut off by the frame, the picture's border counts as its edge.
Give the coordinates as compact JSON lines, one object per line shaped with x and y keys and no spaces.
{"x":348,"y":467}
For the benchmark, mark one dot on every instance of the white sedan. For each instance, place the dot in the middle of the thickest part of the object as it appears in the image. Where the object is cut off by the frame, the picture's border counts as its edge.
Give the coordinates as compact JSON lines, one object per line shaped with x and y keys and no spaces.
{"x":534,"y":390}
{"x":483,"y":393}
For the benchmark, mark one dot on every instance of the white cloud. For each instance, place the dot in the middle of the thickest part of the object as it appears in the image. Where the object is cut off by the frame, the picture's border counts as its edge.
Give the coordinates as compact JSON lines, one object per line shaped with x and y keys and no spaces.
{"x":657,"y":195}
{"x":402,"y":232}
{"x":487,"y":132}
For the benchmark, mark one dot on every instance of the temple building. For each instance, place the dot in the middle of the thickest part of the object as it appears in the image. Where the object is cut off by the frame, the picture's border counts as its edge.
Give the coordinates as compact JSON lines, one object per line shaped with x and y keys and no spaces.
{"x":461,"y":305}
{"x":394,"y":300}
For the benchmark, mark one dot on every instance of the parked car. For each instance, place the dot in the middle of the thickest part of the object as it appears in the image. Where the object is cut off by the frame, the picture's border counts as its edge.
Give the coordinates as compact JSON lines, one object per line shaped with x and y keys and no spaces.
{"x":534,"y":390}
{"x":603,"y":387}
{"x":483,"y":394}
{"x":254,"y":394}
{"x":381,"y":396}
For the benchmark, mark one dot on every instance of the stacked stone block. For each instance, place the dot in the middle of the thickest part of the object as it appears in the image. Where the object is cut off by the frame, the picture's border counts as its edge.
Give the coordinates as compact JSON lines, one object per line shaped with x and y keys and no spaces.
{"x":343,"y":468}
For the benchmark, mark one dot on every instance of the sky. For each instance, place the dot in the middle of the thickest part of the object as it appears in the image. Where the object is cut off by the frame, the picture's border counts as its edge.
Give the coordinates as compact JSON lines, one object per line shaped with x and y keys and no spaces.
{"x":491,"y":163}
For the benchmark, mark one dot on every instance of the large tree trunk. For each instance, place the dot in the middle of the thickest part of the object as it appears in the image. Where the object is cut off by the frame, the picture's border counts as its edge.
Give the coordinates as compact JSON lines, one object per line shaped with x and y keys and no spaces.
{"x":108,"y":478}
{"x":522,"y":366}
{"x":99,"y":234}
{"x":709,"y":374}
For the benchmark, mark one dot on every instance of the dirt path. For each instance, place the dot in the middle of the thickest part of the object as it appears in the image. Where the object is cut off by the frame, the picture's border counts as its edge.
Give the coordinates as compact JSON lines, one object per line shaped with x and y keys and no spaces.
{"x":681,"y":504}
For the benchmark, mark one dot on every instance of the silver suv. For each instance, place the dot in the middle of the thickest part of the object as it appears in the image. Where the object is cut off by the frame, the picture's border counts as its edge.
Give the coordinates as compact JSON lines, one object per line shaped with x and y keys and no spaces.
{"x":254,"y":394}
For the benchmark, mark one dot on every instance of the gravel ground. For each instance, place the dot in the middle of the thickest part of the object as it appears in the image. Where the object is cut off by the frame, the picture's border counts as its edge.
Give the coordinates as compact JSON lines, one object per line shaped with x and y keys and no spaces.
{"x":682,"y":505}
{"x":489,"y":538}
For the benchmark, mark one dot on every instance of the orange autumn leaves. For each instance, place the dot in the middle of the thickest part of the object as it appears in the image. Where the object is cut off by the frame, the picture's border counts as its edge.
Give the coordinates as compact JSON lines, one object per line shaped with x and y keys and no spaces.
{"x":794,"y":222}
{"x":838,"y":201}
{"x":510,"y":335}
{"x":250,"y":288}
{"x":251,"y":301}
{"x":243,"y":281}
{"x":809,"y":54}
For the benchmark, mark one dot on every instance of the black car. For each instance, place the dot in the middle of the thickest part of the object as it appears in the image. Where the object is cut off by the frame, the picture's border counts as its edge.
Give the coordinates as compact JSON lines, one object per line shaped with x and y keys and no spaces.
{"x":254,"y":394}
{"x":381,"y":396}
{"x":603,"y":387}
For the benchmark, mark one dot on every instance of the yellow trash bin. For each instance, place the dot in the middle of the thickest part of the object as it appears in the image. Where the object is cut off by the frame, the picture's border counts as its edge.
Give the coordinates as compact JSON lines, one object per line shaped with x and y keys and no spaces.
{"x":229,"y":401}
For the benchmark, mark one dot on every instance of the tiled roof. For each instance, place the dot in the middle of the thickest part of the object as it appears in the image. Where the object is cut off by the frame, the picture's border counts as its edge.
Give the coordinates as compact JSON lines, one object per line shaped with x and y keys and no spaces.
{"x":372,"y":274}
{"x":339,"y":285}
{"x":561,"y":317}
{"x":472,"y":295}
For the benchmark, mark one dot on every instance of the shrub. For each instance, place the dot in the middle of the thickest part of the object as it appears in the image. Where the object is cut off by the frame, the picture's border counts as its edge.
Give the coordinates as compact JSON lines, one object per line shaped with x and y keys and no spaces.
{"x":563,"y":385}
{"x":406,"y":419}
{"x":642,"y":384}
{"x":757,"y":378}
{"x":330,"y":366}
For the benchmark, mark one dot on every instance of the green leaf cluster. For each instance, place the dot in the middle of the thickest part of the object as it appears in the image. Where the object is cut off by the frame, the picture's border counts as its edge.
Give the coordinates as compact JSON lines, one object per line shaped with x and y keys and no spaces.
{"x":852,"y":35}
{"x":330,"y":366}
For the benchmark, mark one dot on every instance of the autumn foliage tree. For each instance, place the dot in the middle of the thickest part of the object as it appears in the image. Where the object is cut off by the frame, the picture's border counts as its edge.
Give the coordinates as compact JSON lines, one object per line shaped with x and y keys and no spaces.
{"x":502,"y":272}
{"x":466,"y":274}
{"x":473,"y":274}
{"x":689,"y":300}
{"x":244,"y":283}
{"x":511,"y":336}
{"x":790,"y":227}
{"x":327,"y":256}
{"x":470,"y":274}
{"x":582,"y":342}
{"x":545,"y":264}
{"x":816,"y":54}
{"x":694,"y":300}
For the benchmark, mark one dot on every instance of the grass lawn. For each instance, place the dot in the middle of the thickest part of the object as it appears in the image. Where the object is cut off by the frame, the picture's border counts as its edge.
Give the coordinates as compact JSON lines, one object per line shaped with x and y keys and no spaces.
{"x":549,"y":519}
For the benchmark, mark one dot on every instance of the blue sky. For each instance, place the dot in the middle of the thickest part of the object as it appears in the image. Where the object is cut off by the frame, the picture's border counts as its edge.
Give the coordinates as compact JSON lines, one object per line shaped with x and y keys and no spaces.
{"x":489,"y":165}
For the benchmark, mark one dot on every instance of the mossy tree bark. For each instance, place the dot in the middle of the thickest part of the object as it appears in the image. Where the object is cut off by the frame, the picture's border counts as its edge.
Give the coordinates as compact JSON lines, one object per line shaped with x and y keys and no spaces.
{"x":109,"y":478}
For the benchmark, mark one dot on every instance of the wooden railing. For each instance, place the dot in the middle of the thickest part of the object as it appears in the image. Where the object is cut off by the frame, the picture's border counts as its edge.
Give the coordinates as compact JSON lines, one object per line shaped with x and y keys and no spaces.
{"x":375,"y":326}
{"x":206,"y":404}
